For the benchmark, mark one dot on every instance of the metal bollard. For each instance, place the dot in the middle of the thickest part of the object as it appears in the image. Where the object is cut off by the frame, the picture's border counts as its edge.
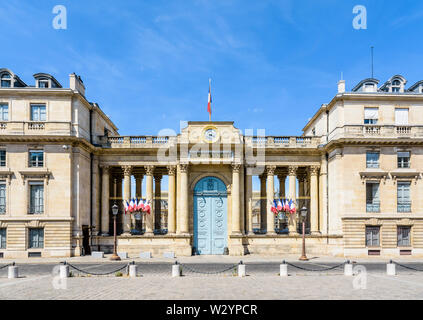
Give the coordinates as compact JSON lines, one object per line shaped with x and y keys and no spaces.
{"x":176,"y":270}
{"x":283,"y":269}
{"x":64,"y":271}
{"x":241,"y":269}
{"x":133,"y":270}
{"x":390,"y":269}
{"x":13,"y":271}
{"x":348,"y":269}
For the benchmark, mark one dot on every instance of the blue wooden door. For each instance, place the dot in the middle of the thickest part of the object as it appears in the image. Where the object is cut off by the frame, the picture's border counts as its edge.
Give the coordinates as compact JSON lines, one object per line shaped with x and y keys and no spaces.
{"x":210,"y":216}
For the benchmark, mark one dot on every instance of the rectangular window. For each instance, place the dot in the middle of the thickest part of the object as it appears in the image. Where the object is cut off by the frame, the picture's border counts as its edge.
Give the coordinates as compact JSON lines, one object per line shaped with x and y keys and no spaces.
{"x":38,"y":112}
{"x":404,"y":236}
{"x":2,"y":158}
{"x":403,"y":159}
{"x":401,"y":117}
{"x":403,"y":196}
{"x":36,"y":158}
{"x":371,"y":115}
{"x":372,"y":159}
{"x":42,"y":83}
{"x":2,"y":197}
{"x":36,"y":202}
{"x":4,"y":112}
{"x":3,"y":232}
{"x":372,"y":236}
{"x":36,"y":238}
{"x":372,"y":197}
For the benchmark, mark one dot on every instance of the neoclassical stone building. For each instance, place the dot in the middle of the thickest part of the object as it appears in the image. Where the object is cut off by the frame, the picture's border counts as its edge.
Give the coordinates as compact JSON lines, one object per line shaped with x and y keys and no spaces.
{"x":357,"y":169}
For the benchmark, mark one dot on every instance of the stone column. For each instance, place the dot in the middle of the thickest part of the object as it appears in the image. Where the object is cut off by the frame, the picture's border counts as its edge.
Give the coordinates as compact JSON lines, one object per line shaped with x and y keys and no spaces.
{"x":183,"y":217}
{"x":263,"y":206}
{"x":270,"y":197}
{"x":138,"y":195}
{"x":292,"y":174}
{"x":149,"y":218}
{"x":171,"y":201}
{"x":314,"y":201}
{"x":157,"y":201}
{"x":235,"y":195}
{"x":301,"y":194}
{"x":282,"y":179}
{"x":323,"y":195}
{"x":249,"y":200}
{"x":138,"y":186}
{"x":105,"y":200}
{"x":127,"y":171}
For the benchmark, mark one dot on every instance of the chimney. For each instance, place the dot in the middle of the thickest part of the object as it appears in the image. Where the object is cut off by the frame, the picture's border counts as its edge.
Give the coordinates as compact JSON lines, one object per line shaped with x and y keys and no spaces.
{"x":76,"y":83}
{"x":341,"y":86}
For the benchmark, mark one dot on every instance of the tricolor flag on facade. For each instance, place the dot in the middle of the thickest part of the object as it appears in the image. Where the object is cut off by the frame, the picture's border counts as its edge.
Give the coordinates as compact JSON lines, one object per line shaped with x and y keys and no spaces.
{"x":147,"y":207}
{"x":273,"y":208}
{"x":140,"y":206}
{"x":126,"y":206}
{"x":209,"y":101}
{"x":280,"y":206}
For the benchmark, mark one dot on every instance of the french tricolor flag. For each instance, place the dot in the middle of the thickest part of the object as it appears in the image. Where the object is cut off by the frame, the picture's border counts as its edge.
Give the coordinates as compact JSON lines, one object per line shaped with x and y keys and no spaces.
{"x":126,"y":206}
{"x":279,"y":207}
{"x":147,"y":207}
{"x":209,"y":102}
{"x":140,"y":206}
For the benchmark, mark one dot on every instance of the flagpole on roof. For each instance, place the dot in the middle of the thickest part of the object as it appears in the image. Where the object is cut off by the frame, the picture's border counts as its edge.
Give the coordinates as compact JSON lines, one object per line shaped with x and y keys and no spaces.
{"x":209,"y":102}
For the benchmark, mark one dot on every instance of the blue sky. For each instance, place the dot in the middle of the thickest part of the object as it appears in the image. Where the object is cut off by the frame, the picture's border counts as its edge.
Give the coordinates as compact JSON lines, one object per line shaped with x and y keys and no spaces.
{"x":272,"y":63}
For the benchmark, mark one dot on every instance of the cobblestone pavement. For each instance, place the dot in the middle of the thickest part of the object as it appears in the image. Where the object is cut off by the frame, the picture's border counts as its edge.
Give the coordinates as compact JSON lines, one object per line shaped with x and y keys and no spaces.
{"x":227,"y":287}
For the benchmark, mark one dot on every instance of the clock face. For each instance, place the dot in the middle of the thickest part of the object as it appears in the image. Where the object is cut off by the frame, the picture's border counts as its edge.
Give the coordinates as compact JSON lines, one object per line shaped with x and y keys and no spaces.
{"x":210,"y":135}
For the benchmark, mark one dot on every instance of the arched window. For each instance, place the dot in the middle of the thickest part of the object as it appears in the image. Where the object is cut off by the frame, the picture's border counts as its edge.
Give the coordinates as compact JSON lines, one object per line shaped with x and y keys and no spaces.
{"x":6,"y":80}
{"x":396,"y":86}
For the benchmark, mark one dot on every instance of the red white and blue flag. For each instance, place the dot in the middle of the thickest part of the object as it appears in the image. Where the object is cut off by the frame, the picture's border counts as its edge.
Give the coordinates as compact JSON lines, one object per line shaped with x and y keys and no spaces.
{"x":140,"y":205}
{"x":147,"y":207}
{"x":126,"y":206}
{"x":280,"y":206}
{"x":209,"y":102}
{"x":273,"y":208}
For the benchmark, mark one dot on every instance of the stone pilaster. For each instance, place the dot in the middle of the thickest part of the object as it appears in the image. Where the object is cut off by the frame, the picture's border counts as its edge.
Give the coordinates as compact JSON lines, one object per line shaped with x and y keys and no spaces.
{"x":171,"y":207}
{"x":157,"y":201}
{"x":105,"y":200}
{"x":249,"y":200}
{"x":183,"y":217}
{"x":127,"y":171}
{"x":149,"y":218}
{"x":235,"y":194}
{"x":292,"y":175}
{"x":263,"y":217}
{"x":270,"y":197}
{"x":314,"y":202}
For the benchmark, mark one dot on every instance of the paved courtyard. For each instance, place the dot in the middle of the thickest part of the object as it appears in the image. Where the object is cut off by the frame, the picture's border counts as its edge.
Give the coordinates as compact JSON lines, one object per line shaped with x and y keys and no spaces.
{"x":199,"y":282}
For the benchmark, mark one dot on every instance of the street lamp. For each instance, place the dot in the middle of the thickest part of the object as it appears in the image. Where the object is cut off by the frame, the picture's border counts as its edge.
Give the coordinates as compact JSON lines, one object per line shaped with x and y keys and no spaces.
{"x":303,"y":212}
{"x":115,"y":211}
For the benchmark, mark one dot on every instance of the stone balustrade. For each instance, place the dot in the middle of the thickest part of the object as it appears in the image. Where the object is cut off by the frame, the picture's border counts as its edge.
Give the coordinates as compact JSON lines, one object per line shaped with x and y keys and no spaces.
{"x":35,"y":128}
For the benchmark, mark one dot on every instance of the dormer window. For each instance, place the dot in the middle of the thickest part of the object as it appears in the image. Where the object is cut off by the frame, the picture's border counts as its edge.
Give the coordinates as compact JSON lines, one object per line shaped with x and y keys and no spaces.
{"x":6,"y":80}
{"x":43,"y":83}
{"x":396,"y":86}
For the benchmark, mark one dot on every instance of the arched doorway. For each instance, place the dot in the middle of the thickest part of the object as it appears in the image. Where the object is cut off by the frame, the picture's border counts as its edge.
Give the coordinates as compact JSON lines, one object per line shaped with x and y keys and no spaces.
{"x":210,"y":216}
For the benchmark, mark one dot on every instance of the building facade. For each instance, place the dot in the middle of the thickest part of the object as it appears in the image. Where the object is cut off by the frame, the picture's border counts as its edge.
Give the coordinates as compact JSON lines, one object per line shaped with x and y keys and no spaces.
{"x":356,"y":169}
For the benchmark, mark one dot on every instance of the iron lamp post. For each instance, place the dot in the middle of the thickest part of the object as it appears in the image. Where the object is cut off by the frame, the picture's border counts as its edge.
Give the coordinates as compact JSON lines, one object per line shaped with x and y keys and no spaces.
{"x":303,"y":212}
{"x":115,"y":211}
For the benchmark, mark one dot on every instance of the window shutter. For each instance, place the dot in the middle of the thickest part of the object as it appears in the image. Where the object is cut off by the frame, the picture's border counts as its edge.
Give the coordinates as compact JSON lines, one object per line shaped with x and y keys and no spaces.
{"x":371,"y":113}
{"x":401,"y":117}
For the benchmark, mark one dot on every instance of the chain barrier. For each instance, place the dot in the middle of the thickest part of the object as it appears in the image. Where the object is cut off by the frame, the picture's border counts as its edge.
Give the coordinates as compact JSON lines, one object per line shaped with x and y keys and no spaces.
{"x":7,"y":265}
{"x":232,"y":267}
{"x":406,"y":267}
{"x":96,"y":273}
{"x":315,"y":270}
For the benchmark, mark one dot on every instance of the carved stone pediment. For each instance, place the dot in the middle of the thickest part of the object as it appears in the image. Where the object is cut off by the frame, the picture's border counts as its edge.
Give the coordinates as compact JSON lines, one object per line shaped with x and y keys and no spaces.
{"x":374,"y":222}
{"x":36,"y":173}
{"x":405,"y":222}
{"x":35,"y":224}
{"x":374,"y":174}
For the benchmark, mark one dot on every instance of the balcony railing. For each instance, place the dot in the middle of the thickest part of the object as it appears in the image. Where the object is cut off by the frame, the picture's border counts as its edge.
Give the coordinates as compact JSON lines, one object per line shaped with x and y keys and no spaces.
{"x":404,"y":207}
{"x":35,"y":128}
{"x":373,"y":207}
{"x":380,"y":131}
{"x":139,"y":141}
{"x":285,"y":142}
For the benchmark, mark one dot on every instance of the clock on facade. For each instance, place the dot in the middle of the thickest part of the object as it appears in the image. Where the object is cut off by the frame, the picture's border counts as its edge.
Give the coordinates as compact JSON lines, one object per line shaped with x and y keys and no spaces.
{"x":210,"y":134}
